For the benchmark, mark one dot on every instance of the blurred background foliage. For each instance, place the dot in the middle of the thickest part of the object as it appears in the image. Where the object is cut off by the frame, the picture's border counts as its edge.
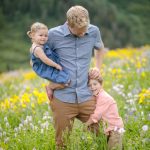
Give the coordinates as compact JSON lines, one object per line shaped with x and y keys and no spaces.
{"x":122,"y":23}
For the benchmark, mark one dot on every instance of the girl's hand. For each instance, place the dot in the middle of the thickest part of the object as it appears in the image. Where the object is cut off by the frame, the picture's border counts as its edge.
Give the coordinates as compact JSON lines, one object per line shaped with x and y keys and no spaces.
{"x":58,"y":67}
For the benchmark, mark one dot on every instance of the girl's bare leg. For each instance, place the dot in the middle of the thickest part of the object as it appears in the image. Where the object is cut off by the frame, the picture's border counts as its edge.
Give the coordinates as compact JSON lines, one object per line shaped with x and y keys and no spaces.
{"x":52,"y":86}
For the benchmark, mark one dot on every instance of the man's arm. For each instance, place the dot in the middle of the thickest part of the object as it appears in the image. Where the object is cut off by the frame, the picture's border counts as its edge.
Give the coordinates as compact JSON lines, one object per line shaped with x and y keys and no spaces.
{"x":98,"y":57}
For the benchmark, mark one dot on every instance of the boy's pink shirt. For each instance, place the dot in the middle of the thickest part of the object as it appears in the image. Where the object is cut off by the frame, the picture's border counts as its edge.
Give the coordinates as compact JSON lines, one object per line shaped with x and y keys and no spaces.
{"x":106,"y":109}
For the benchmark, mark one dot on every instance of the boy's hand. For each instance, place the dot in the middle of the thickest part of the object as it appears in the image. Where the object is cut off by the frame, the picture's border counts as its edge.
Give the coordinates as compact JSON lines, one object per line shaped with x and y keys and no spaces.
{"x":89,"y":122}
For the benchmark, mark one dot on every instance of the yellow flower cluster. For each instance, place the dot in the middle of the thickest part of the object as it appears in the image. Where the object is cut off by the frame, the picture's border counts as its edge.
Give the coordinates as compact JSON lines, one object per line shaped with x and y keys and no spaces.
{"x":144,"y":96}
{"x":40,"y":96}
{"x":123,"y":53}
{"x":29,"y":75}
{"x":25,"y":100}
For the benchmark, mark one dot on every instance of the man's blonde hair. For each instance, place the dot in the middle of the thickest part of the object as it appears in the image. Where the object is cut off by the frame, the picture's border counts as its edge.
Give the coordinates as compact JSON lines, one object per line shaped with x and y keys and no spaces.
{"x":78,"y":16}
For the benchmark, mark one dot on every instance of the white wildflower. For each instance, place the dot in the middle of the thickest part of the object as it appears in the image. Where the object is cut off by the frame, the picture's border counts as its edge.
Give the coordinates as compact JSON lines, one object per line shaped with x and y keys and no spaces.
{"x":145,"y":128}
{"x":4,"y":133}
{"x":32,"y":126}
{"x":20,"y":126}
{"x":29,"y":118}
{"x":35,"y":128}
{"x":16,"y":129}
{"x":83,"y":137}
{"x":39,"y":122}
{"x":46,"y":113}
{"x":25,"y":122}
{"x":45,"y":125}
{"x":129,"y":94}
{"x":6,"y":140}
{"x":7,"y":125}
{"x":5,"y":119}
{"x":15,"y":135}
{"x":42,"y":131}
{"x":45,"y":117}
{"x":142,"y":113}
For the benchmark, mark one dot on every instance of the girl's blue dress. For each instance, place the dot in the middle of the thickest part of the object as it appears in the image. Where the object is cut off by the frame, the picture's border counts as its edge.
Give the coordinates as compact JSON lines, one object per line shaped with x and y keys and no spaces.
{"x":48,"y":72}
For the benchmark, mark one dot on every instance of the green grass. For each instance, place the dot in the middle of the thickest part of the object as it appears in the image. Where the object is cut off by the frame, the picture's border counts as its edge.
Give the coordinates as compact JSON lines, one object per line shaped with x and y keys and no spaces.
{"x":26,"y":119}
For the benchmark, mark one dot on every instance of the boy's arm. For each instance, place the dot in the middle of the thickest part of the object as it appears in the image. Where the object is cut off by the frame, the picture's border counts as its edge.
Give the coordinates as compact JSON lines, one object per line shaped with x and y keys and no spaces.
{"x":40,"y":54}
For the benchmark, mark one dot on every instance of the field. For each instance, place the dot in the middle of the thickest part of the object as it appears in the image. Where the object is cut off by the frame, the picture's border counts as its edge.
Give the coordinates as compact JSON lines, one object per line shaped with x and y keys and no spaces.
{"x":26,"y":121}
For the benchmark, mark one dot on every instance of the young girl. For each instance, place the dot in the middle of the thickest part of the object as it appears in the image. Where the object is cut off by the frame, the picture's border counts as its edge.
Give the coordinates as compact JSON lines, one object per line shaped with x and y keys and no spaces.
{"x":44,"y":61}
{"x":106,"y":109}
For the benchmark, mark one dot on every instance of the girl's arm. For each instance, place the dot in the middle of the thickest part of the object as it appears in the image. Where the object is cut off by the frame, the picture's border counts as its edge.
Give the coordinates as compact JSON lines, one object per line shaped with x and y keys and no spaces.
{"x":40,"y":54}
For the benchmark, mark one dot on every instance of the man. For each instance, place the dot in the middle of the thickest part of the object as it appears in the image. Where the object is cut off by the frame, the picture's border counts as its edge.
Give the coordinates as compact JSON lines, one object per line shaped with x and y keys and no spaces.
{"x":74,"y":42}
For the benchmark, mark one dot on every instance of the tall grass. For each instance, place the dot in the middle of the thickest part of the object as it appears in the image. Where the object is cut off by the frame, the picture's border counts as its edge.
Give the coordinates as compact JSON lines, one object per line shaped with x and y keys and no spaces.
{"x":26,"y":121}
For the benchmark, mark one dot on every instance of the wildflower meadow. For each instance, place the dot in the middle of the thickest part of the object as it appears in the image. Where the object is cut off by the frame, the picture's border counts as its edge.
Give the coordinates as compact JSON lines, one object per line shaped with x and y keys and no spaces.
{"x":26,"y":121}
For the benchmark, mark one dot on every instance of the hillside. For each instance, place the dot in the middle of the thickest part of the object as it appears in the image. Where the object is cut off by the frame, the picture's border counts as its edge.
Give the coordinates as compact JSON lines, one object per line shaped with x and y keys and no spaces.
{"x":122,"y":23}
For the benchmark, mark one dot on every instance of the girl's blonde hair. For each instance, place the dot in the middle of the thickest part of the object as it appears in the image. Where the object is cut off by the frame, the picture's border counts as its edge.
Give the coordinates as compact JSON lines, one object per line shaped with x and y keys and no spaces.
{"x":78,"y":16}
{"x":35,"y":27}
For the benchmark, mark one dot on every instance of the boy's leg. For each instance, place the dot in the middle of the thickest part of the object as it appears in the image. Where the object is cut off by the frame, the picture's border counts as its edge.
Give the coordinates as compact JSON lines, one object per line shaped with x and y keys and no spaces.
{"x":115,"y":141}
{"x":63,"y":115}
{"x":85,"y":110}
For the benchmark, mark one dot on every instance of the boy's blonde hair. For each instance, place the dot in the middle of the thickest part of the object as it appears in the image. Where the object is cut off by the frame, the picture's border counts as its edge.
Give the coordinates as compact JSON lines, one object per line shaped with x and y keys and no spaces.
{"x":78,"y":16}
{"x":99,"y":79}
{"x":35,"y":27}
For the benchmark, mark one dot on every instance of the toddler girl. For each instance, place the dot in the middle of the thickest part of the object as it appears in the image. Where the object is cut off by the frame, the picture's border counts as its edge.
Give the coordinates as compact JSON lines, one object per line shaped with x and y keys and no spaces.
{"x":44,"y":61}
{"x":106,"y":109}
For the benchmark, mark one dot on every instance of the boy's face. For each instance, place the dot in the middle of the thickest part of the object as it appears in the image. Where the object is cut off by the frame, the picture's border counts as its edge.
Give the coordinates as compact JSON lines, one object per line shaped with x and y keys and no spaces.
{"x":95,"y":86}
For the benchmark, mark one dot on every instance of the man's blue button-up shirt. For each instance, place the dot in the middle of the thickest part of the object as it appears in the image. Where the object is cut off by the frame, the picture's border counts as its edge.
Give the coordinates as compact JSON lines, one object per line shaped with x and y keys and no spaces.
{"x":75,"y":55}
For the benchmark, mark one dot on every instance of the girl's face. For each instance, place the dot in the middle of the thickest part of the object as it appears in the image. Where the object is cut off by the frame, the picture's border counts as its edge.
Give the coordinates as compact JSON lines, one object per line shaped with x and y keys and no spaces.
{"x":95,"y":86}
{"x":40,"y":37}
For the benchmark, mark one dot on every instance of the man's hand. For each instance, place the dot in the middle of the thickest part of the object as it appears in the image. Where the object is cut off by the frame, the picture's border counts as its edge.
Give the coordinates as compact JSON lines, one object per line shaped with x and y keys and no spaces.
{"x":94,"y":73}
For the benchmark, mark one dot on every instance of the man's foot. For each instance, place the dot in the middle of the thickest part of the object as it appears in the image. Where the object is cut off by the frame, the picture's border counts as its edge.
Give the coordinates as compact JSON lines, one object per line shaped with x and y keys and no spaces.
{"x":49,"y":92}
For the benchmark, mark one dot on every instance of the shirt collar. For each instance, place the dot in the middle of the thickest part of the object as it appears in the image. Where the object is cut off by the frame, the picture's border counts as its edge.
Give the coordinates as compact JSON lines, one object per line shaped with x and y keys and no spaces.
{"x":67,"y":31}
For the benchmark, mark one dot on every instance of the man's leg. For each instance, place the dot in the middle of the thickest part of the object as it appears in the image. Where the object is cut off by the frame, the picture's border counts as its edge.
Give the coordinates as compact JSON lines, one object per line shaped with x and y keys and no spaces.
{"x":85,"y":110}
{"x":63,"y":114}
